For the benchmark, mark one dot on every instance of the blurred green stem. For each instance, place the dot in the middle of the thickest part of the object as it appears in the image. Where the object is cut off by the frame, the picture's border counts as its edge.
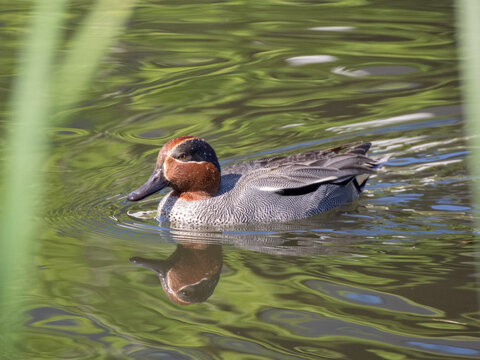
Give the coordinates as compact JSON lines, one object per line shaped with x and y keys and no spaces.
{"x":25,"y":152}
{"x":89,"y":45}
{"x":468,"y":24}
{"x":38,"y":92}
{"x":468,"y":12}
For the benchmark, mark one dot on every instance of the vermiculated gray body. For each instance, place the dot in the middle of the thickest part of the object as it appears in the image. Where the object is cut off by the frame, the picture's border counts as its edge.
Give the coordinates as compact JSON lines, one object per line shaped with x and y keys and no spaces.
{"x":278,"y":189}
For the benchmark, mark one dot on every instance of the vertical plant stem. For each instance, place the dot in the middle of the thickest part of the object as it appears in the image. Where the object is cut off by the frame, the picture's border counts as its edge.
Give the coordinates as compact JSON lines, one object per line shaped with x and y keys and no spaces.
{"x":88,"y":47}
{"x":39,"y":90}
{"x":25,"y":152}
{"x":468,"y":25}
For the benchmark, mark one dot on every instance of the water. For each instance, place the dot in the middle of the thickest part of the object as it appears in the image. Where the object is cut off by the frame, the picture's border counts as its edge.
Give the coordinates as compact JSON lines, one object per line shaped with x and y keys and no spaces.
{"x":390,"y":276}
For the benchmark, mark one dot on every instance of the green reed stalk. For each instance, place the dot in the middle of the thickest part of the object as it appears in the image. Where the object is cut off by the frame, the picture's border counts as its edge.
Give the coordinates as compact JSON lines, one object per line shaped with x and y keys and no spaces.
{"x":36,"y":94}
{"x":22,"y":179}
{"x":468,"y":24}
{"x":469,"y":51}
{"x":90,"y":44}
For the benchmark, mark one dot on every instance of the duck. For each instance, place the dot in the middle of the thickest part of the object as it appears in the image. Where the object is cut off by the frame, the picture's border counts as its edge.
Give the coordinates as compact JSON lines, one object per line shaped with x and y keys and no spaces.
{"x":276,"y":189}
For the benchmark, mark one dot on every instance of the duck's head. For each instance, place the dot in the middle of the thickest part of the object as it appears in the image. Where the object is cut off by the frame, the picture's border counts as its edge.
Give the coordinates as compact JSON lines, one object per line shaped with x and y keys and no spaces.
{"x":188,"y":165}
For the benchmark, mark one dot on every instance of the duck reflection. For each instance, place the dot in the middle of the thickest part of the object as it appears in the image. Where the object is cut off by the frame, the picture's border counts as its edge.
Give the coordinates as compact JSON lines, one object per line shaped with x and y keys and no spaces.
{"x":190,"y":274}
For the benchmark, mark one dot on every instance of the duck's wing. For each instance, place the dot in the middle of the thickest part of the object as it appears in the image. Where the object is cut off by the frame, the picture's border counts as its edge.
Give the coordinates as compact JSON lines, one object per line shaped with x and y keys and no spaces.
{"x":310,"y":156}
{"x":308,"y":176}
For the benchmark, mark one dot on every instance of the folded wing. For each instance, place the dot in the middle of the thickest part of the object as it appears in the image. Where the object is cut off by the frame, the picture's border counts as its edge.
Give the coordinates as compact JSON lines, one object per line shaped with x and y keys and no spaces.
{"x":306,"y":177}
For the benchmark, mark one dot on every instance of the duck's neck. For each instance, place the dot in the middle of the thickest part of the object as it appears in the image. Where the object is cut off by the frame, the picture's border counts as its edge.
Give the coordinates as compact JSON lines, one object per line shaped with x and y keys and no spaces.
{"x":194,"y":180}
{"x":202,"y":189}
{"x":195,"y":195}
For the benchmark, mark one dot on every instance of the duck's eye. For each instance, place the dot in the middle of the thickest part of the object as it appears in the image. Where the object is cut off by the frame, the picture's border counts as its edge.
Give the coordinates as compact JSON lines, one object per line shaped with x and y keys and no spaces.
{"x":182,"y":156}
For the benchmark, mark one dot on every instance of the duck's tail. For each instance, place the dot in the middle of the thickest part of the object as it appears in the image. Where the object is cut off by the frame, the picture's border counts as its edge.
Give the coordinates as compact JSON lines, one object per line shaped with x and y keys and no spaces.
{"x":360,"y":180}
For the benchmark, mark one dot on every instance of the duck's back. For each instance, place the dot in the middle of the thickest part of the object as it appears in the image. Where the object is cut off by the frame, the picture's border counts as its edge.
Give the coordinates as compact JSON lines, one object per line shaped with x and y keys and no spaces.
{"x":302,"y":158}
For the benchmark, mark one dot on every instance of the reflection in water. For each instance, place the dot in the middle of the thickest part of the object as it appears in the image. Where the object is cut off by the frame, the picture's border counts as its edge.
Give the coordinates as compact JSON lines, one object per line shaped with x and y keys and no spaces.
{"x":190,"y":274}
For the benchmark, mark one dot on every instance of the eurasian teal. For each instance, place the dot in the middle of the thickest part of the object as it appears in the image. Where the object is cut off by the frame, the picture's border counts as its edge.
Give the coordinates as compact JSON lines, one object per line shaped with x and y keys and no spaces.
{"x":264,"y":190}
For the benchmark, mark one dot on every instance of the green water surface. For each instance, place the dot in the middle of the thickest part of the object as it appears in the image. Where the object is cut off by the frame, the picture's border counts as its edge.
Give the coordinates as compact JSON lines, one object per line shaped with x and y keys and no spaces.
{"x":390,"y":276}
